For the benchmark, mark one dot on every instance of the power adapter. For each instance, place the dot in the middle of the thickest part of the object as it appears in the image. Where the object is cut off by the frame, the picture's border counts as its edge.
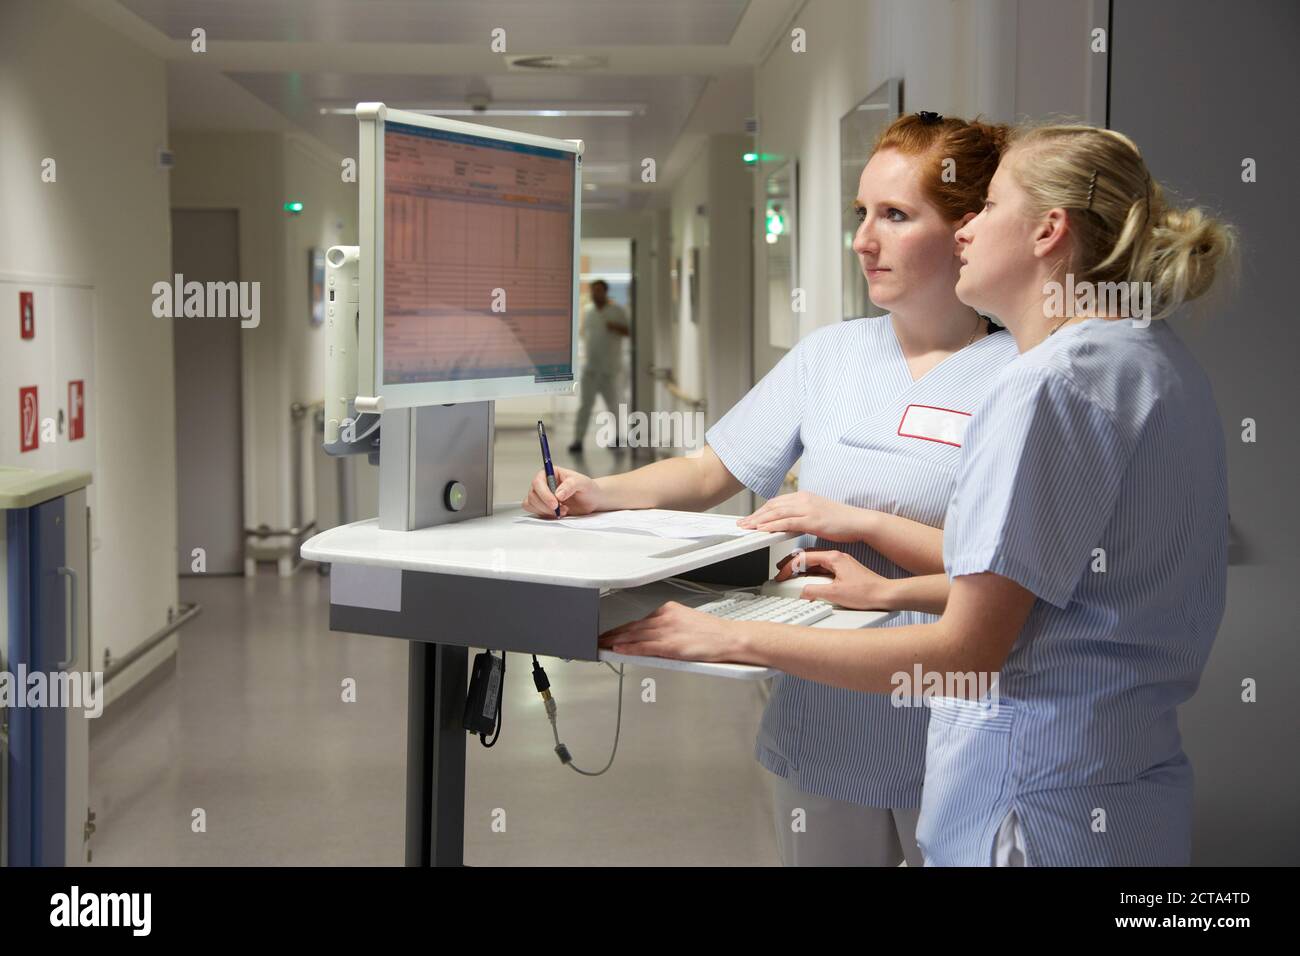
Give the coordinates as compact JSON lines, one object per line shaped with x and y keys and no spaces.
{"x":483,"y":702}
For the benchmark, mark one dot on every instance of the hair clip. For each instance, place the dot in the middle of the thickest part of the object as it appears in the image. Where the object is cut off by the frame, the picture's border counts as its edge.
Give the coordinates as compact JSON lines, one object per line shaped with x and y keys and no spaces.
{"x":929,"y":118}
{"x":1092,"y":185}
{"x":1146,"y":206}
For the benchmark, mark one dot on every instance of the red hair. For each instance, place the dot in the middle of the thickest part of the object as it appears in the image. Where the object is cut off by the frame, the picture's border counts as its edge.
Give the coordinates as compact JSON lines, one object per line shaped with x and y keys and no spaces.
{"x":974,"y":147}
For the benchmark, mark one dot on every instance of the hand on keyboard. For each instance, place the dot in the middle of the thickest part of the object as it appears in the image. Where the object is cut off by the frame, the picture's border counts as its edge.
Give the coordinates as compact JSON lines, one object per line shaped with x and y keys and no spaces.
{"x":681,"y":633}
{"x":836,"y":577}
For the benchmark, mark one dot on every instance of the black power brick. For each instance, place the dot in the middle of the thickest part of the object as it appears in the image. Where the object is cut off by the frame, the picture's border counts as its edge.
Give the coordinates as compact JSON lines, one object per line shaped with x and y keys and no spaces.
{"x":483,"y":703}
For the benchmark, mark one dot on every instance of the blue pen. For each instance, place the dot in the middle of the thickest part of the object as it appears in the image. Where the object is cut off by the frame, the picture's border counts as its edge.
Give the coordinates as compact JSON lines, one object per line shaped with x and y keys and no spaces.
{"x":546,"y":461}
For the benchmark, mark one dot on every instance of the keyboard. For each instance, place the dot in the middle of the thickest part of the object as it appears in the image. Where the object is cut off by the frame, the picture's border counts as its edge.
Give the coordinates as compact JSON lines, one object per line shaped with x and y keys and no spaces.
{"x":777,"y":610}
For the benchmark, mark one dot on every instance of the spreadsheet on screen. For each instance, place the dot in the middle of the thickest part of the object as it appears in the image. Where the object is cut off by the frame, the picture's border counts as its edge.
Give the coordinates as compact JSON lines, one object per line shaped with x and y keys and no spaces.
{"x":478,"y":257}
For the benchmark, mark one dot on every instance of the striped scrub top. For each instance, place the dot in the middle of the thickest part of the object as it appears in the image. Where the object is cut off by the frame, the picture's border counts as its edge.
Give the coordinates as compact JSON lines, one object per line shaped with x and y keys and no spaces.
{"x":1094,"y":476}
{"x":844,"y":400}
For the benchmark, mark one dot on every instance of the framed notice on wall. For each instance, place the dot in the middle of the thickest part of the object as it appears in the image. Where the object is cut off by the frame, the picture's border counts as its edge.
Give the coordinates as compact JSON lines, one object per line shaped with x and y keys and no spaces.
{"x":693,"y":282}
{"x":859,"y":128}
{"x":780,"y":234}
{"x":316,"y":285}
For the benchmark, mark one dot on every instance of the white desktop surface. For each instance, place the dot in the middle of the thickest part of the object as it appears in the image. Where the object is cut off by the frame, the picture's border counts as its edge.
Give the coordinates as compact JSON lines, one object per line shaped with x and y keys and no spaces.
{"x":500,"y":547}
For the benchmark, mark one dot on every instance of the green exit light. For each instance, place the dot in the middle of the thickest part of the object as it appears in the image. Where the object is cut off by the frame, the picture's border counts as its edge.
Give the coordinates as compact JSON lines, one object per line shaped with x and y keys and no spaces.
{"x":293,"y":207}
{"x":775,"y":223}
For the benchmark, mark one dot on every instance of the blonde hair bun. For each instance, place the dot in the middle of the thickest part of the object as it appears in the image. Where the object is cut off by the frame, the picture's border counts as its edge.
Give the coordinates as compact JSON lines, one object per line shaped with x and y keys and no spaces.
{"x":1125,"y":231}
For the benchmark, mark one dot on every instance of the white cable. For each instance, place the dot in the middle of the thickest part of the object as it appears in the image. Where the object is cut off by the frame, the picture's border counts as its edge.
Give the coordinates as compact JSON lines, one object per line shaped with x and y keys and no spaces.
{"x":691,"y":586}
{"x":618,"y":728}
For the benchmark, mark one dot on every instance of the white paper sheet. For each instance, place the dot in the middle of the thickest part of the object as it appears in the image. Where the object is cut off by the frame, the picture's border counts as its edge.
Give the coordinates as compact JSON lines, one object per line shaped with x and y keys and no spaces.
{"x":663,"y":524}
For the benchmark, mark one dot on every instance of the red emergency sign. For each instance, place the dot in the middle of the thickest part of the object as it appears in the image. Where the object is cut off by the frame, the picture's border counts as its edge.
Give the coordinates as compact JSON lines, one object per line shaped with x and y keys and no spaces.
{"x":26,"y":315}
{"x":76,"y":410}
{"x":28,"y":419}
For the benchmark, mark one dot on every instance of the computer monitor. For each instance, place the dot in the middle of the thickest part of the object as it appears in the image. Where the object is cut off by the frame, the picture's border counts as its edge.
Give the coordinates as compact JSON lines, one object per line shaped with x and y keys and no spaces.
{"x":468,"y":260}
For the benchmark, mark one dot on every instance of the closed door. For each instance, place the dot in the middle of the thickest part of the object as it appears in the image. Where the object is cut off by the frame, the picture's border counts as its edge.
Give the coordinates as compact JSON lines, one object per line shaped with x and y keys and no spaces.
{"x":1204,"y":87}
{"x":209,"y":445}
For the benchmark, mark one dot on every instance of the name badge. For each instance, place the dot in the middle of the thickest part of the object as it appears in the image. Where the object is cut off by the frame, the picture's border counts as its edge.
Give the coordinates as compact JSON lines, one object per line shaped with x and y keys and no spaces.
{"x":944,"y":425}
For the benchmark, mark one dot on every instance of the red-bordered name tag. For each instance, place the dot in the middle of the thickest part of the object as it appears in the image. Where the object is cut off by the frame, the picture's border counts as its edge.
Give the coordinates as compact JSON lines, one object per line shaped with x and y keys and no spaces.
{"x":931,"y":423}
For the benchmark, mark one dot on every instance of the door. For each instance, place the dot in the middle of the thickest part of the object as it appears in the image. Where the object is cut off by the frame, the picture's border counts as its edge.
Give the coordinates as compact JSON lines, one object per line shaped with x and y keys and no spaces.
{"x":1203,"y":86}
{"x":209,"y":444}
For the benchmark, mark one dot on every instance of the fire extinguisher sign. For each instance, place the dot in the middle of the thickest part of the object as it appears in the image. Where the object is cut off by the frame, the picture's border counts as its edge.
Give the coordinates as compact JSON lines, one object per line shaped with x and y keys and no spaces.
{"x":76,"y":410}
{"x":26,"y":315}
{"x":29,"y":419}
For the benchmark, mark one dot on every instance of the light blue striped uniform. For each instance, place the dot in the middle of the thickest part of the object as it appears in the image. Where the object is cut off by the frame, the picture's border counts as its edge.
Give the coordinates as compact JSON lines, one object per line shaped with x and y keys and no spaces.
{"x":1105,"y":436}
{"x":837,"y":399}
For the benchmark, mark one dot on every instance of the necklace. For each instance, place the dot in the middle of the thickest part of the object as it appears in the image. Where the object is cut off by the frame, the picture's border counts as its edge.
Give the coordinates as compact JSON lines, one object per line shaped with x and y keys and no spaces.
{"x":979,"y":324}
{"x":1058,"y":325}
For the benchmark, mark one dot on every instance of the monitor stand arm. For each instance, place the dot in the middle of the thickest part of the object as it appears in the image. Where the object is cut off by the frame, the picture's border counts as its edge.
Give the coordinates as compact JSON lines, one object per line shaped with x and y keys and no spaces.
{"x":435,"y":461}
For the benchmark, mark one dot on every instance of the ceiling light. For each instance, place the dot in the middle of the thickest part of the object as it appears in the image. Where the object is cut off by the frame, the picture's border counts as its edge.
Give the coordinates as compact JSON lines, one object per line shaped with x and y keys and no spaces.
{"x":593,"y":110}
{"x":557,"y":61}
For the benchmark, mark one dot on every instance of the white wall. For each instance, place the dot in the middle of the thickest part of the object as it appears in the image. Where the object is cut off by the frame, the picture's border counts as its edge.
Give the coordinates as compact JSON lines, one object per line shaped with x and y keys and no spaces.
{"x":728,"y":293}
{"x":1000,"y":58}
{"x":243,"y":171}
{"x":256,"y":173}
{"x":710,"y":211}
{"x":96,"y":103}
{"x":689,"y":230}
{"x":312,"y":174}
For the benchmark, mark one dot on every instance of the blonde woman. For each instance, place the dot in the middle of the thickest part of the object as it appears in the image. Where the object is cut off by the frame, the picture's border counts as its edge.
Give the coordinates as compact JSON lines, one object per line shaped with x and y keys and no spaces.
{"x":1086,"y":541}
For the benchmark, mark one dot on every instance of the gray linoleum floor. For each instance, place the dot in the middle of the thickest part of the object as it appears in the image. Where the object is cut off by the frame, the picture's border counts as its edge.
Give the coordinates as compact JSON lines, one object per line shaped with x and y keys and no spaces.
{"x":250,"y":727}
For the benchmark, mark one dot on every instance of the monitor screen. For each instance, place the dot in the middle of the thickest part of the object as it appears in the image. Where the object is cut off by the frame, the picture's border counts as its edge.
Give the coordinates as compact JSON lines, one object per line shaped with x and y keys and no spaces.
{"x":478,"y":267}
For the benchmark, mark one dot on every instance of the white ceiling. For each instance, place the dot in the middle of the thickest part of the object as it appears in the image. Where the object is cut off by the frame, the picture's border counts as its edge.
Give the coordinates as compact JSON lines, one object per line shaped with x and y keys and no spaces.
{"x":545,"y":22}
{"x":684,"y":65}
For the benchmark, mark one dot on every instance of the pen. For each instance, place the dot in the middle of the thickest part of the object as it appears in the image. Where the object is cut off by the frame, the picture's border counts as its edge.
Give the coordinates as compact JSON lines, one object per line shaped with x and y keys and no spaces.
{"x":546,"y":462}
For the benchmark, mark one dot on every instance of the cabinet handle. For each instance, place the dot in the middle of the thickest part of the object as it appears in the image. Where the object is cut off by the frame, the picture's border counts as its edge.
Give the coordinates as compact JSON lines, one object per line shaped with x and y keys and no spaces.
{"x":71,"y":575}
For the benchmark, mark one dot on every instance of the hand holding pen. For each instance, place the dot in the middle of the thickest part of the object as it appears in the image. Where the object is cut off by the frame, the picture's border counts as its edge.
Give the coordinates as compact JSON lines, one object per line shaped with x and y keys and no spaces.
{"x":560,"y":492}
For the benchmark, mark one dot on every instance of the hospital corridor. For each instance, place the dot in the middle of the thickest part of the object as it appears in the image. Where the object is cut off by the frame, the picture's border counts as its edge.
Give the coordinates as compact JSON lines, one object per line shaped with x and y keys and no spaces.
{"x":588,"y":434}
